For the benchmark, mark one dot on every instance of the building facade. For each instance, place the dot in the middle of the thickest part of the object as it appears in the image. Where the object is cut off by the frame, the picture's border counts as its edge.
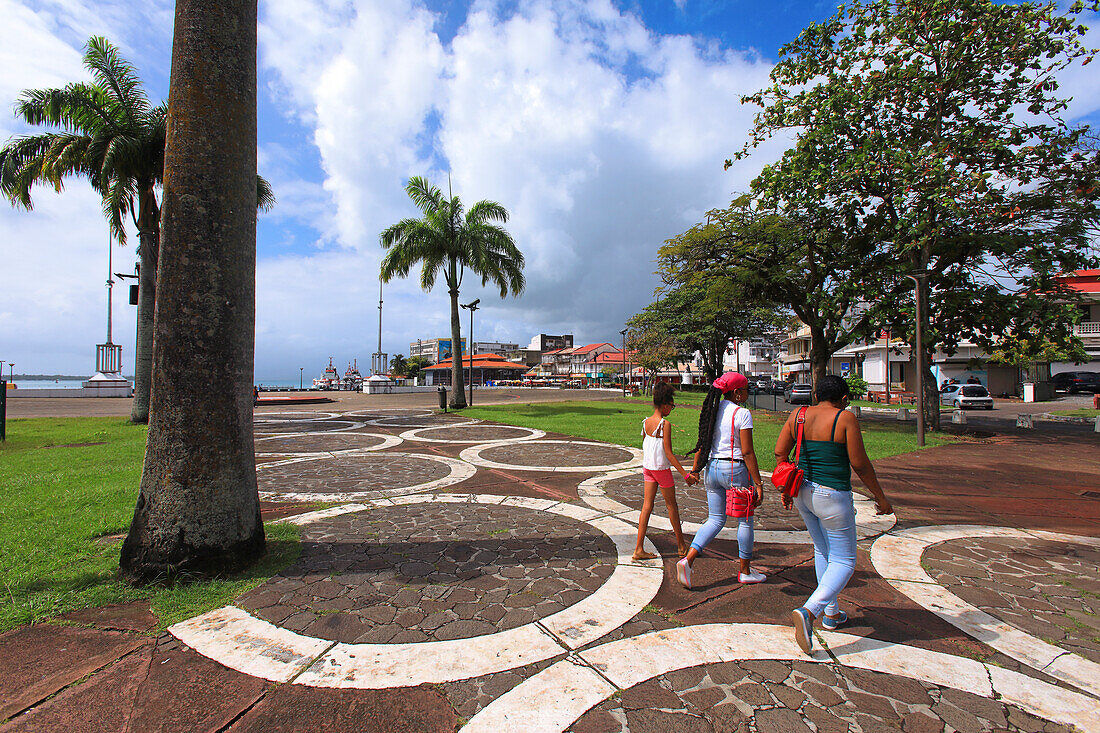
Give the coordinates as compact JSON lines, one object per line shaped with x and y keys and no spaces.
{"x":433,"y":350}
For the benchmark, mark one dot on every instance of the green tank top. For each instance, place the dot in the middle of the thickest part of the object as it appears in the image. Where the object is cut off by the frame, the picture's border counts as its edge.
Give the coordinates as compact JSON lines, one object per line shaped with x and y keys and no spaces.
{"x":826,"y":462}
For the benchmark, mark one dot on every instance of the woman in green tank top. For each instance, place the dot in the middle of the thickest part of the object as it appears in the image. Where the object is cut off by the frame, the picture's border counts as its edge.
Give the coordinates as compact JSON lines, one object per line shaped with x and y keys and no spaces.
{"x":832,"y":447}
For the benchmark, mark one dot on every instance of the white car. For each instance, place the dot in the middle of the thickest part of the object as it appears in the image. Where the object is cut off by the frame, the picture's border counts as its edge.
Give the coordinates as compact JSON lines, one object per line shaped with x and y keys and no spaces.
{"x":962,"y":396}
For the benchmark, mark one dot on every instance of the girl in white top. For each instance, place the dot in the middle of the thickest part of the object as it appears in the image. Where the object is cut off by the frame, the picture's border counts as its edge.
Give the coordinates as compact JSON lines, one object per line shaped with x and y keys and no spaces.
{"x":725,"y":450}
{"x":657,"y":459}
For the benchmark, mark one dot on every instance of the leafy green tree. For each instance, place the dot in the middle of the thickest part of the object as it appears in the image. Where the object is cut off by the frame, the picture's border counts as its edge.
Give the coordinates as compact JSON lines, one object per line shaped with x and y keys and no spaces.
{"x":399,"y":365}
{"x":935,"y":128}
{"x":414,"y":365}
{"x":654,"y":348}
{"x":449,"y":240}
{"x":812,"y":266}
{"x":704,"y":314}
{"x":108,"y":132}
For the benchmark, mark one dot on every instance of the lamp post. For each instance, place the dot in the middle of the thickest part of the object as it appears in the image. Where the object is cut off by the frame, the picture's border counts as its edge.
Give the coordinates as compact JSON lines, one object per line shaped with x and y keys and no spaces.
{"x":301,"y":377}
{"x":919,"y":279}
{"x":11,"y":372}
{"x":471,"y":307}
{"x":623,"y":334}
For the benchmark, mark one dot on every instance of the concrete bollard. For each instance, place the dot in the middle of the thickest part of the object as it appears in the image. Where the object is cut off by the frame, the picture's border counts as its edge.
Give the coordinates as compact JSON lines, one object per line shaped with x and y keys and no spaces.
{"x":854,"y":409}
{"x":1025,"y":421}
{"x":903,"y":413}
{"x":958,"y":417}
{"x":1096,"y":427}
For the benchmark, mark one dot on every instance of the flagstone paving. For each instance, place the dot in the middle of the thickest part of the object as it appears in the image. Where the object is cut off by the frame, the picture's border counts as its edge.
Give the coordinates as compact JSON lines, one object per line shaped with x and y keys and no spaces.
{"x":772,"y":696}
{"x":542,"y":594}
{"x":1048,"y":589}
{"x":395,"y":575}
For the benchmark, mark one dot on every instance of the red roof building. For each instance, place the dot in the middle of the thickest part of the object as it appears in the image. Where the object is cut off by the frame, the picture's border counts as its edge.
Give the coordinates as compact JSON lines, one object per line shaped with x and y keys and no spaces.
{"x":486,"y":368}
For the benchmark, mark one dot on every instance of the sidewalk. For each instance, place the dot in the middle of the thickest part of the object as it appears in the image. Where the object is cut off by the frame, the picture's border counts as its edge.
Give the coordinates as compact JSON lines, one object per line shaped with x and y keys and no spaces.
{"x":468,"y":574}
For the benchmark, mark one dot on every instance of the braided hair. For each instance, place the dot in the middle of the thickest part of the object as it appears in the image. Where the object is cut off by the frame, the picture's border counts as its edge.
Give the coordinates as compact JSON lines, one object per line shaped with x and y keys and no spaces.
{"x":708,"y":416}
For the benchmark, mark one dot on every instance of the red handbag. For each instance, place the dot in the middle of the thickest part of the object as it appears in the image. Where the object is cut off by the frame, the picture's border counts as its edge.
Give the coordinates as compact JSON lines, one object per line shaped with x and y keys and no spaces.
{"x":787,"y":476}
{"x":740,"y":500}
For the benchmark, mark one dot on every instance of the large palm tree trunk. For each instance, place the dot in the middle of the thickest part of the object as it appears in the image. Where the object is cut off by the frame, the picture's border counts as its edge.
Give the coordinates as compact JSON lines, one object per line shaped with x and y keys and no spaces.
{"x":198,"y":508}
{"x":458,"y":387}
{"x":148,"y":238}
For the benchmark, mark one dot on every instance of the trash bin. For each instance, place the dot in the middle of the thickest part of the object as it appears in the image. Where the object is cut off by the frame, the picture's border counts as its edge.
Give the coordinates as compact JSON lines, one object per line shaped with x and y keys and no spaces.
{"x":442,"y":398}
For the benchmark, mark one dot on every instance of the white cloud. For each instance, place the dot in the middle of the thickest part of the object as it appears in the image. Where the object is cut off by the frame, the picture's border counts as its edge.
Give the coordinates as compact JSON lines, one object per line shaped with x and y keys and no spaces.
{"x":601,"y":139}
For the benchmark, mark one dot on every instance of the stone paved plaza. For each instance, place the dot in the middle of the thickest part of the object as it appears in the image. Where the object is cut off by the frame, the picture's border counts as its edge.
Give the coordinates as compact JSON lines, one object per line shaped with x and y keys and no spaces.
{"x":457,"y":574}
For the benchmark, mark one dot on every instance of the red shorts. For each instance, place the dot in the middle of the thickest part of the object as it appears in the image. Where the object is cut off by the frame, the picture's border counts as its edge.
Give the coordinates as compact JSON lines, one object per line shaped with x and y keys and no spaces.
{"x":663,"y":477}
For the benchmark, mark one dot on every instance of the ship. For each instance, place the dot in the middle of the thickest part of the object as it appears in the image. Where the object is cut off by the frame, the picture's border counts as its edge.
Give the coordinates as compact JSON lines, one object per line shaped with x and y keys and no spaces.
{"x":329,"y":380}
{"x":353,"y":380}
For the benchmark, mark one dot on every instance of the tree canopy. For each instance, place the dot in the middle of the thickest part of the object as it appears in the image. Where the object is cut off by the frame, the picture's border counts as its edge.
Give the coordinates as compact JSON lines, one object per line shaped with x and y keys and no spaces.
{"x":934,"y":131}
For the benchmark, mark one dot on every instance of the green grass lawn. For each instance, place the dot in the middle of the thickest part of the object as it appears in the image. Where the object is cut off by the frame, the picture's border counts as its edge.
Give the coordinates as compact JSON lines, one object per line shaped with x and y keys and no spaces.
{"x":1082,"y":412}
{"x":69,"y":490}
{"x":621,"y":423}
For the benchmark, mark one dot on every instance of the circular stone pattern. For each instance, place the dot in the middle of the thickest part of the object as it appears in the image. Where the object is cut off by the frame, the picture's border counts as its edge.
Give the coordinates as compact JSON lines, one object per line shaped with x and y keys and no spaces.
{"x":1047,"y":588}
{"x":322,"y":442}
{"x":692,"y":502}
{"x":472,"y":433}
{"x":353,"y":476}
{"x":553,"y":455}
{"x":426,"y":572}
{"x":773,"y":695}
{"x":268,"y":427}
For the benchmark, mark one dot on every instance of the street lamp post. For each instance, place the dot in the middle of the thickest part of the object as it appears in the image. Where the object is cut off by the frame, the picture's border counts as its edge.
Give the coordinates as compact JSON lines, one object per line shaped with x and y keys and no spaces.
{"x":623,"y":334}
{"x":301,"y":377}
{"x":918,"y":279}
{"x":471,"y":307}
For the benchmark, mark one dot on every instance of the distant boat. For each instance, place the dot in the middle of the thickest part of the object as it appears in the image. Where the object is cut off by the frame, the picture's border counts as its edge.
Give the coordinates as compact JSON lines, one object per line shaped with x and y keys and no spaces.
{"x":329,"y":380}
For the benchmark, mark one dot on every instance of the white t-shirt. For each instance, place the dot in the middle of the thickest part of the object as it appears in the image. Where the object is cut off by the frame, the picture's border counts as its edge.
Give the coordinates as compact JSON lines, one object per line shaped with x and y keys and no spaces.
{"x":731,"y":420}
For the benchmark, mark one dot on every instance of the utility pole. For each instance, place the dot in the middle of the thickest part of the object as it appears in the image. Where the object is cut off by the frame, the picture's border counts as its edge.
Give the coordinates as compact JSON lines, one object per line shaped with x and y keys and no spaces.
{"x":471,"y":307}
{"x":623,"y":334}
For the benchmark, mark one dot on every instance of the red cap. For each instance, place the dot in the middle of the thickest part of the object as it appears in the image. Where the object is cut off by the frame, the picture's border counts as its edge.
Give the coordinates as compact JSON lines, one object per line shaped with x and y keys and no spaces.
{"x":731,"y":380}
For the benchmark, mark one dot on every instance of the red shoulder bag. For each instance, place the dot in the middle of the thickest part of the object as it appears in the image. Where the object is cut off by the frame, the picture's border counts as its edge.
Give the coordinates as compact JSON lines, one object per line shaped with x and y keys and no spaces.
{"x":787,"y":476}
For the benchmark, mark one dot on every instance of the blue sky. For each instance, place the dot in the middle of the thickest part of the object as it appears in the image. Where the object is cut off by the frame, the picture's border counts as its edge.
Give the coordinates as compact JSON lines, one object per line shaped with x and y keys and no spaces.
{"x":602,"y":126}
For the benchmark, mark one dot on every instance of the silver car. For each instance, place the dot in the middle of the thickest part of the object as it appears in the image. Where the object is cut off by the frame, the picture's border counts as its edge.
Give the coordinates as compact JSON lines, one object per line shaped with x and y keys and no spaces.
{"x":962,"y":396}
{"x":799,"y":394}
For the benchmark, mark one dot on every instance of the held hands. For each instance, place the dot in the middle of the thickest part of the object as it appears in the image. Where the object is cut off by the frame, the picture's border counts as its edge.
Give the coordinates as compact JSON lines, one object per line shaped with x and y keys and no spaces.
{"x":691,"y":478}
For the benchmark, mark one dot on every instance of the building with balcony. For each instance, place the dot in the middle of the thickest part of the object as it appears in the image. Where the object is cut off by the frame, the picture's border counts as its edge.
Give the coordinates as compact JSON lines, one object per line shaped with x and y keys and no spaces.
{"x":755,"y":358}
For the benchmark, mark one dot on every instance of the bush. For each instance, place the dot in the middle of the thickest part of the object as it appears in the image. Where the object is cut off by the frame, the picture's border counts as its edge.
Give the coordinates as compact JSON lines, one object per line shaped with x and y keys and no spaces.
{"x":857,"y":385}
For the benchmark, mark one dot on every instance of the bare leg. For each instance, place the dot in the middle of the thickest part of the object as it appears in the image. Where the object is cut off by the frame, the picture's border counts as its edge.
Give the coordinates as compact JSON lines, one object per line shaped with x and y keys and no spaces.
{"x":649,"y":494}
{"x":669,"y":495}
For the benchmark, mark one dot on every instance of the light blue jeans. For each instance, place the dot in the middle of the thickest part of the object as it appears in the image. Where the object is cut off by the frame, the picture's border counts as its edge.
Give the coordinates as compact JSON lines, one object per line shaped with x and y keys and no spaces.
{"x":718,"y":476}
{"x":830,"y":518}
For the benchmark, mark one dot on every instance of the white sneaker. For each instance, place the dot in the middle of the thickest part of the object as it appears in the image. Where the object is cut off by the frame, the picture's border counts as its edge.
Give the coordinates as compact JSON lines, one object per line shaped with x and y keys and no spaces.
{"x":752,"y":577}
{"x":683,"y":573}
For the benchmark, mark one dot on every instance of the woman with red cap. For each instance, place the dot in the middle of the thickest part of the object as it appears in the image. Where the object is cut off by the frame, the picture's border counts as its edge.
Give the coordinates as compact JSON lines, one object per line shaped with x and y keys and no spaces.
{"x":725,"y":454}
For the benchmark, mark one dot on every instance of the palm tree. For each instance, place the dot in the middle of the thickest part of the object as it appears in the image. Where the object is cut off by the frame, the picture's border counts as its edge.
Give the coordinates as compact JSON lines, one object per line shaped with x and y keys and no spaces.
{"x":398,"y":365}
{"x":109,"y":133}
{"x":450,"y":240}
{"x":198,"y":508}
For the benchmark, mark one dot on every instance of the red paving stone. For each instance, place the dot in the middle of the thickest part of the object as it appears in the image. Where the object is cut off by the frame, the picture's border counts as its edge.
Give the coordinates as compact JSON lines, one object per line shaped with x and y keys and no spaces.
{"x":41,"y":659}
{"x":299,"y":709}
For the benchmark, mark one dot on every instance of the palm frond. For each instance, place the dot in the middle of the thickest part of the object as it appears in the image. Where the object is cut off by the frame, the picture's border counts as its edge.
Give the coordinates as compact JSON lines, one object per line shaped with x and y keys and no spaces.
{"x":265,"y":196}
{"x":117,"y":77}
{"x":426,"y":196}
{"x":486,"y":211}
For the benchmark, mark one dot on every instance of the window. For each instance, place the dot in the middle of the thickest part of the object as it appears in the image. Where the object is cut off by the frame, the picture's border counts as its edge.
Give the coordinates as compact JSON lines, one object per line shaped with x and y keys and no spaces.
{"x":974,"y":390}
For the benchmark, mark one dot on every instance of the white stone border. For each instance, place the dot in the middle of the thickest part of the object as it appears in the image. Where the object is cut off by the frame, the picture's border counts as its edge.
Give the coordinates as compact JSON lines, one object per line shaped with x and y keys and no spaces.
{"x":352,"y":425}
{"x":552,"y":700}
{"x":404,"y":411}
{"x":459,"y":472}
{"x":413,"y":434}
{"x":239,"y":640}
{"x":266,"y":416}
{"x":868,"y":523}
{"x":388,"y":441}
{"x":897,"y":558}
{"x":473,"y":455}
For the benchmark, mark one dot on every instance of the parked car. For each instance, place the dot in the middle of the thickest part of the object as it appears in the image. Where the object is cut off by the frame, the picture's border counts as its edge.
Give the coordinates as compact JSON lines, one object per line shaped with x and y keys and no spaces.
{"x":962,"y":396}
{"x":1074,"y":382}
{"x":799,"y":394}
{"x":775,"y":387}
